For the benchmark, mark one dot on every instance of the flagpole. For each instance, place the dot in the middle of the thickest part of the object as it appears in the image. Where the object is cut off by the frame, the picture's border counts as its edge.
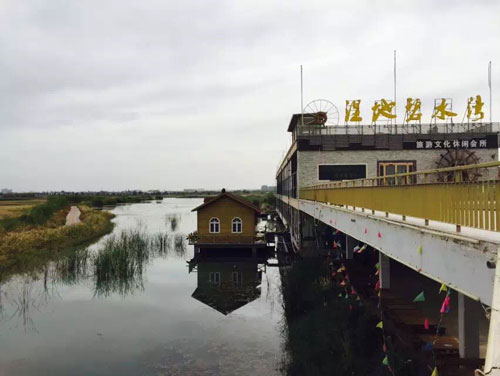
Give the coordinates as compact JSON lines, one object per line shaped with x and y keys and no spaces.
{"x":301,"y":96}
{"x":489,"y":84}
{"x":395,"y":103}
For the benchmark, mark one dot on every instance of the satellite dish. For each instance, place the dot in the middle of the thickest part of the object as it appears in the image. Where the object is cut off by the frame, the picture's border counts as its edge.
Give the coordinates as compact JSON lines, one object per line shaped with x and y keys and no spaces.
{"x":321,"y":112}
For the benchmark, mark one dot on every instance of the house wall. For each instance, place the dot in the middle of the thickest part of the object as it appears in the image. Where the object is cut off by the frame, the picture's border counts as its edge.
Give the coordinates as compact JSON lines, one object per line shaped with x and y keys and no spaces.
{"x":226,"y":209}
{"x":308,"y":161}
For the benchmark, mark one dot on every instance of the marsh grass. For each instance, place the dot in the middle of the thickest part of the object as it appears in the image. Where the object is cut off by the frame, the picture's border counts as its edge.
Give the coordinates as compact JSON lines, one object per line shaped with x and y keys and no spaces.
{"x":173,"y":221}
{"x":118,"y":267}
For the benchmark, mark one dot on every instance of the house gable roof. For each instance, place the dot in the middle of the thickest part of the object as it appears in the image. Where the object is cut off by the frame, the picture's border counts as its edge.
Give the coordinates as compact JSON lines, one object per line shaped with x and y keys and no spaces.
{"x":230,"y":196}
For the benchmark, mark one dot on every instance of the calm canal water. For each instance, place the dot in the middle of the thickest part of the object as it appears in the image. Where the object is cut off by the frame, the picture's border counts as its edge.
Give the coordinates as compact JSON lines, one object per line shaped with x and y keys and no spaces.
{"x":155,"y":318}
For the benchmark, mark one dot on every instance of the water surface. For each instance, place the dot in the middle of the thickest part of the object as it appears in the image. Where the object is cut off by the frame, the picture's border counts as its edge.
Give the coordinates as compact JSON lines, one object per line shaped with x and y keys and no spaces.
{"x":160,"y":316}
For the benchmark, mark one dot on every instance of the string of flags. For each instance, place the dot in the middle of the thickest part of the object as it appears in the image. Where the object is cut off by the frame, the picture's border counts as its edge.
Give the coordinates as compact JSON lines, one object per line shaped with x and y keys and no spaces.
{"x":341,"y":276}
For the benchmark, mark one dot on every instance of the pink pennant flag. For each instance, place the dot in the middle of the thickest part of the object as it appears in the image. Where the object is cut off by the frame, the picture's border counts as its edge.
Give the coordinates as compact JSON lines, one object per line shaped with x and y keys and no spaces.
{"x":342,"y":283}
{"x":379,"y":234}
{"x":377,"y":272}
{"x":445,"y":308}
{"x":384,"y":348}
{"x":366,"y":230}
{"x":426,"y":324}
{"x":353,"y":291}
{"x":377,"y":285}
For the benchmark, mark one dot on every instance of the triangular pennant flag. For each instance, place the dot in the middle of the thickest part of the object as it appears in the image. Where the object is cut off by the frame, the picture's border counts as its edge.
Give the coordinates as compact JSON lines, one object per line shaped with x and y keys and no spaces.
{"x":378,"y":293}
{"x":342,"y":283}
{"x":379,"y":234}
{"x":445,"y":308}
{"x":358,"y":298}
{"x":435,"y":372}
{"x":366,"y":230}
{"x":419,"y":249}
{"x":346,"y":296}
{"x":385,"y":362}
{"x":339,"y":270}
{"x":384,"y":347}
{"x":419,"y":298}
{"x":380,"y":325}
{"x":346,"y":277}
{"x":340,"y":295}
{"x":426,"y":324}
{"x":356,"y":249}
{"x":377,"y":285}
{"x":377,"y":272}
{"x":443,"y":288}
{"x":350,"y":307}
{"x":377,"y":265}
{"x":353,"y":291}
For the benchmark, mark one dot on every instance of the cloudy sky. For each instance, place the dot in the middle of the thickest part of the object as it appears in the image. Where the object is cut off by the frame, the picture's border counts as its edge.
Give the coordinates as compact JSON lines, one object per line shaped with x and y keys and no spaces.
{"x":198,"y":94}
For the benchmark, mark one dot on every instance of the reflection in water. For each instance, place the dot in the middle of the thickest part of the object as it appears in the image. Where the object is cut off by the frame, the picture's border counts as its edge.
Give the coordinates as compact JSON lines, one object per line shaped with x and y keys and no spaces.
{"x":227,"y":284}
{"x":116,"y":267}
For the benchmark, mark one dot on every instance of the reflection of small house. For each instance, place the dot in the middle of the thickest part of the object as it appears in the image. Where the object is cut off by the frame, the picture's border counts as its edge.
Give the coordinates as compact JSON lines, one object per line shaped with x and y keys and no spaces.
{"x":227,"y":286}
{"x":226,"y":220}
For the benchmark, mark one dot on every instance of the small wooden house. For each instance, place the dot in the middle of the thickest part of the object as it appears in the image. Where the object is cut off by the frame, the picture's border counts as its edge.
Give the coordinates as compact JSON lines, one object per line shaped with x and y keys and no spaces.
{"x":226,"y":220}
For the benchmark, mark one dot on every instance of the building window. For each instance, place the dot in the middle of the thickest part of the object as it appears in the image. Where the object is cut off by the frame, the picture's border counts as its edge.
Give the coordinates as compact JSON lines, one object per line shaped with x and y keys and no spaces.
{"x":341,"y":172}
{"x":214,"y":226}
{"x":237,"y":225}
{"x":214,"y":278}
{"x":396,"y":167}
{"x":237,"y":278}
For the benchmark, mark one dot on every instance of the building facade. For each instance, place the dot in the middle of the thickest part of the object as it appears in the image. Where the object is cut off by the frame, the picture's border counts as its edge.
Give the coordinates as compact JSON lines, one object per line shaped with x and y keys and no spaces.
{"x":323,"y":154}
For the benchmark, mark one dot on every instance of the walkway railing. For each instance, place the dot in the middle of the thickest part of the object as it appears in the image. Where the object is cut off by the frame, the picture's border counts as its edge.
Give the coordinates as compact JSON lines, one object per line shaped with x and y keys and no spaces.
{"x":465,"y":195}
{"x":420,"y":129}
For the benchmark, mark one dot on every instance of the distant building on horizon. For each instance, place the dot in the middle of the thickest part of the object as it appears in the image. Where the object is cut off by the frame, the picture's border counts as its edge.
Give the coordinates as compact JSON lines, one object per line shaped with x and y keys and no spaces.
{"x":192,"y":190}
{"x":6,"y":191}
{"x":268,"y":188}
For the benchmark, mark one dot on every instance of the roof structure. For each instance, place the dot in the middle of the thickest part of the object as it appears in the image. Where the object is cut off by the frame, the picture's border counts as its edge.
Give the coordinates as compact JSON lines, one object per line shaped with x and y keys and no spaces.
{"x":238,"y":199}
{"x":226,"y":301}
{"x":295,"y":120}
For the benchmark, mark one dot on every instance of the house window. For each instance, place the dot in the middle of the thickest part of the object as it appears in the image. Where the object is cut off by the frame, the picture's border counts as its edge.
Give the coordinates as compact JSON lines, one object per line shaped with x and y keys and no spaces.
{"x":237,"y":278}
{"x":214,"y":226}
{"x":214,"y":278}
{"x":399,"y":167}
{"x":237,"y":225}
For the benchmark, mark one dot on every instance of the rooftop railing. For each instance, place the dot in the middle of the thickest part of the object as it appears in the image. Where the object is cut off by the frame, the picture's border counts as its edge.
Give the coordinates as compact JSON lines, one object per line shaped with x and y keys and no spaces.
{"x":429,"y":128}
{"x":463,"y":195}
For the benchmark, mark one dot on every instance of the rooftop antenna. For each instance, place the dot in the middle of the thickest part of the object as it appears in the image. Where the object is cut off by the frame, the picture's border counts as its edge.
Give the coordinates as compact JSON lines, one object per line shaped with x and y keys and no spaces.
{"x":301,"y":96}
{"x":489,"y":84}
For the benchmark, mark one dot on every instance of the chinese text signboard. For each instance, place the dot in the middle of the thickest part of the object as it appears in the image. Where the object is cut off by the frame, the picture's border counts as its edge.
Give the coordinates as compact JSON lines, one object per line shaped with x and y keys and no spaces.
{"x":472,"y":143}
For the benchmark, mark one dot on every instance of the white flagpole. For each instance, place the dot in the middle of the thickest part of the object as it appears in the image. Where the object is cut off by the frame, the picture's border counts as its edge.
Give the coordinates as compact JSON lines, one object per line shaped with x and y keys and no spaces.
{"x":489,"y":84}
{"x":395,"y":105}
{"x":301,"y":96}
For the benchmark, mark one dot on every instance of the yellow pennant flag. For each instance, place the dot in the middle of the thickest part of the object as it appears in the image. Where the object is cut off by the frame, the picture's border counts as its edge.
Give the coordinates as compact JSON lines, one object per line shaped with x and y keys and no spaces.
{"x":443,"y":288}
{"x":380,"y":325}
{"x":435,"y":372}
{"x":419,"y":249}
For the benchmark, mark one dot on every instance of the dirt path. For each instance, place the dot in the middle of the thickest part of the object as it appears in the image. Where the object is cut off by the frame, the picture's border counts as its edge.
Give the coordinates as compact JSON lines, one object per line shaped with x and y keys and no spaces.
{"x":73,"y":216}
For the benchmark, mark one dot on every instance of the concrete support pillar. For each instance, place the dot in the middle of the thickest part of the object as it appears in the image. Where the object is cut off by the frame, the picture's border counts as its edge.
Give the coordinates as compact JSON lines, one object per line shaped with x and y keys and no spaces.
{"x":492,"y":362}
{"x":385,"y":271}
{"x":349,"y":247}
{"x":468,"y":327}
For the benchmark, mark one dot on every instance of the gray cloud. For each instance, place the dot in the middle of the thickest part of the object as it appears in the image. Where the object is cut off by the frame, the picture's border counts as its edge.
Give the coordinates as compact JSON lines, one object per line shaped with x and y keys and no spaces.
{"x":155,"y":94}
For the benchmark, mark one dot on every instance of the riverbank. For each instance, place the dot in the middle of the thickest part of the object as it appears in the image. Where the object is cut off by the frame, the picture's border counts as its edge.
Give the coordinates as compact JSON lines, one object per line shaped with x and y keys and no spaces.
{"x":28,"y":244}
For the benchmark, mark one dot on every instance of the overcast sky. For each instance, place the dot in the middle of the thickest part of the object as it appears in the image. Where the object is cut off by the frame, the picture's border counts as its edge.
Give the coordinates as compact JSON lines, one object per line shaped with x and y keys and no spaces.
{"x":198,"y":94}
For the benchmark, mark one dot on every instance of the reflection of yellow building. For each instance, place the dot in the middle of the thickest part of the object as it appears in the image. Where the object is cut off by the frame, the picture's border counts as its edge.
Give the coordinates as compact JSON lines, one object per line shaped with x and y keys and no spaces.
{"x":227,"y":285}
{"x":226,"y":220}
